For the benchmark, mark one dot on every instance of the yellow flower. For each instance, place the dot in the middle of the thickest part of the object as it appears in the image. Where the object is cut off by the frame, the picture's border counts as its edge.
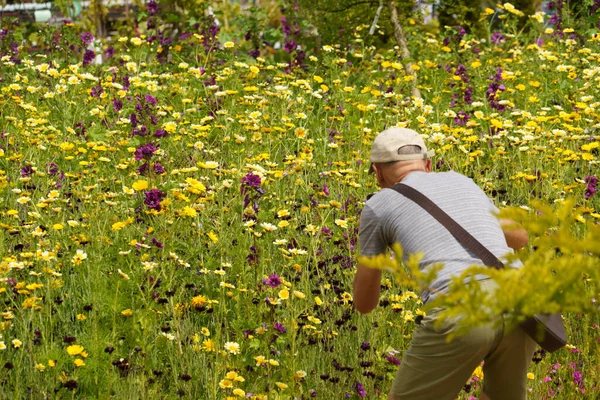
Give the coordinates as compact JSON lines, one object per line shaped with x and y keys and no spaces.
{"x":283,"y":213}
{"x":239,"y":392}
{"x":298,"y":295}
{"x":300,"y":132}
{"x":170,"y":127}
{"x":79,"y":362}
{"x":260,"y":360}
{"x":2,"y":346}
{"x":284,"y":294}
{"x":127,"y":313}
{"x":208,"y":345}
{"x":225,"y":384}
{"x":229,"y":45}
{"x":198,"y":302}
{"x":281,"y":385}
{"x":341,"y":222}
{"x":140,"y":185}
{"x":231,"y":375}
{"x":74,"y":349}
{"x":188,"y":212}
{"x":299,"y":374}
{"x":79,"y":256}
{"x":196,"y":186}
{"x":40,"y":367}
{"x":120,"y":225}
{"x":530,"y":375}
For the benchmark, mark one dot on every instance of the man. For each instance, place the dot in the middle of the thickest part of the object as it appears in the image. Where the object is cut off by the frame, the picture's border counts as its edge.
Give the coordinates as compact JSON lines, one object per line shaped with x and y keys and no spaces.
{"x":431,"y":368}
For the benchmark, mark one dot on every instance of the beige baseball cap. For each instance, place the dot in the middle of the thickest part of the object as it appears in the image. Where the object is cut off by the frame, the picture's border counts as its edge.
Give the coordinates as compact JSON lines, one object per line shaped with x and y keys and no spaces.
{"x":387,"y":144}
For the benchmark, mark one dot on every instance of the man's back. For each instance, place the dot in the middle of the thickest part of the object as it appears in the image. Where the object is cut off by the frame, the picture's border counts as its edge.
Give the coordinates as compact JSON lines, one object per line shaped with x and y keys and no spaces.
{"x":389,"y":217}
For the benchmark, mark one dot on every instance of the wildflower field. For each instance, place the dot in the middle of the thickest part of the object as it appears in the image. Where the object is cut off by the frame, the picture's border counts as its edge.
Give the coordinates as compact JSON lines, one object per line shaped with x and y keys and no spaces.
{"x":181,"y":220}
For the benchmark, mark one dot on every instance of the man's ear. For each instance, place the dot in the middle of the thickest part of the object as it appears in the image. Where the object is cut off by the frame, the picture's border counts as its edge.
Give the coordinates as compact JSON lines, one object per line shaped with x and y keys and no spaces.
{"x":428,"y":165}
{"x":378,"y":175}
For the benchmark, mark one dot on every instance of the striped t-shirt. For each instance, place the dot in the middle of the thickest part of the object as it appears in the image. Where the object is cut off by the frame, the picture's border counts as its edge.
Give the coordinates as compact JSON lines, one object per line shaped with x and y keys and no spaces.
{"x":388,"y":217}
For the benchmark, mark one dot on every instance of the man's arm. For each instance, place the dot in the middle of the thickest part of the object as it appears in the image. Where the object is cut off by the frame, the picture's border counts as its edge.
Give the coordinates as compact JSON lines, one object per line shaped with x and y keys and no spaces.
{"x":516,"y":236}
{"x":366,"y":288}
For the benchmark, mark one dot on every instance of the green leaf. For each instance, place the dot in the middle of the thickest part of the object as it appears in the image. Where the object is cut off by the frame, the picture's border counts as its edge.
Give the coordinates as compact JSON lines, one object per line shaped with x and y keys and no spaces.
{"x":141,"y":16}
{"x":273,"y":35}
{"x":134,"y":141}
{"x":173,"y":18}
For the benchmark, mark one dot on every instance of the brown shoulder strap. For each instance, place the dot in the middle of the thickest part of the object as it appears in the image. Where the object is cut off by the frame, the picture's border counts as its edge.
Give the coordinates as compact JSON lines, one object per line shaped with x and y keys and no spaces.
{"x":459,"y":233}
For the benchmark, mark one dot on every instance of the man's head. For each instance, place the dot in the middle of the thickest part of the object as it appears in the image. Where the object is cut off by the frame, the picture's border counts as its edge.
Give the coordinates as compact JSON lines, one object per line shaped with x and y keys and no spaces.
{"x":395,"y":153}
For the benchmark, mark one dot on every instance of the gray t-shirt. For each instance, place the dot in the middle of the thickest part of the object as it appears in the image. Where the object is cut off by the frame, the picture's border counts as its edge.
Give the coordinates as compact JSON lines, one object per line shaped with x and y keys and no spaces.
{"x":388,"y":218}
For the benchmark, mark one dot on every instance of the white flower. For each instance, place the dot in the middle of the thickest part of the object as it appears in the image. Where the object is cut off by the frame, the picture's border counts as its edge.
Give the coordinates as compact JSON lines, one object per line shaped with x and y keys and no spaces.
{"x":268,"y":227}
{"x":232,"y":347}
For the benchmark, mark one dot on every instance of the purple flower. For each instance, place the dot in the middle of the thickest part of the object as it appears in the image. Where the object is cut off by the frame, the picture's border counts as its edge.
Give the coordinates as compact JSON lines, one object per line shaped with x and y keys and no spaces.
{"x":27,"y":171}
{"x":365,"y":346}
{"x":88,"y":57}
{"x":97,"y":91}
{"x":158,"y":168}
{"x":87,"y":38}
{"x":133,"y":120}
{"x":497,"y":38}
{"x":159,"y":133}
{"x":52,"y":169}
{"x":153,"y":199}
{"x":142,"y":169}
{"x":280,"y":328}
{"x":577,"y":378}
{"x":360,"y":390}
{"x":461,"y":71}
{"x":126,"y":82}
{"x":461,"y":118}
{"x":109,"y":52}
{"x":145,"y":151}
{"x":273,"y":281}
{"x":285,"y":27}
{"x":393,"y":359}
{"x":117,"y":105}
{"x":152,"y":7}
{"x":157,"y":243}
{"x":150,"y":100}
{"x":589,"y":192}
{"x":468,"y":96}
{"x":251,"y":180}
{"x":290,"y":46}
{"x":143,"y":131}
{"x":592,"y":185}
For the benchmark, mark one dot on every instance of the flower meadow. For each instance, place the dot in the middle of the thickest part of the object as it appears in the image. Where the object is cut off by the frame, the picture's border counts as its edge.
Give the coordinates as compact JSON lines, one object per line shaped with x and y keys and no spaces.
{"x":181,"y":220}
